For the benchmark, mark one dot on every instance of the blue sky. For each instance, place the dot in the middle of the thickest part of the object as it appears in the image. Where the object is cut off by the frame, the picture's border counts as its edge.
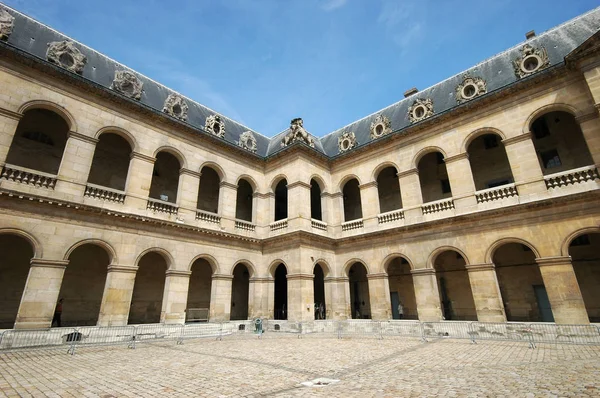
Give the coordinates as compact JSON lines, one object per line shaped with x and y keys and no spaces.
{"x":331,"y":62}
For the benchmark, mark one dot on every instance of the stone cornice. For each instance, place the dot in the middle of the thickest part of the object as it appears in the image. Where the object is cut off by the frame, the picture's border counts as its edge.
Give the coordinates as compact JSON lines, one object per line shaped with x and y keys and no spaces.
{"x":336,"y":195}
{"x":190,"y":173}
{"x":83,"y":137}
{"x":407,"y":173}
{"x":47,"y":263}
{"x":422,"y":271}
{"x":454,"y":158}
{"x":370,"y":184}
{"x":261,"y":279}
{"x":225,"y":184}
{"x":298,"y":184}
{"x":558,"y":260}
{"x":479,"y":267}
{"x":122,"y":268}
{"x":306,"y":277}
{"x":515,"y":139}
{"x":333,"y":279}
{"x":176,"y":272}
{"x":381,"y":275}
{"x":137,"y":155}
{"x":10,"y":114}
{"x":222,"y":277}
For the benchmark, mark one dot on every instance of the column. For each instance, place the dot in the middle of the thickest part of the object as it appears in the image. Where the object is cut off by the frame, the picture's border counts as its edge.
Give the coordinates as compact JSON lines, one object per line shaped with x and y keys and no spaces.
{"x":336,"y":216}
{"x":427,"y":295}
{"x":369,"y":198}
{"x":461,"y":183}
{"x":220,"y":298}
{"x":379,"y":295}
{"x":301,"y":306}
{"x":174,"y":303}
{"x":486,"y":293}
{"x":227,"y":203}
{"x":139,"y":179}
{"x":412,"y":199}
{"x":40,"y":294}
{"x":590,"y":127}
{"x":299,"y":206}
{"x":525,"y":167}
{"x":75,"y":165}
{"x":337,"y":297}
{"x":563,"y":290}
{"x":8,"y":127}
{"x":258,"y":297}
{"x":116,"y":300}
{"x":187,"y":194}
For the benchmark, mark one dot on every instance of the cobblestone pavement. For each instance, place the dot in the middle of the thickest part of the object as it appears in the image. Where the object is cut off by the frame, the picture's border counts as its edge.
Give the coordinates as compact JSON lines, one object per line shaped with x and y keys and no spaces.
{"x":244,"y":366}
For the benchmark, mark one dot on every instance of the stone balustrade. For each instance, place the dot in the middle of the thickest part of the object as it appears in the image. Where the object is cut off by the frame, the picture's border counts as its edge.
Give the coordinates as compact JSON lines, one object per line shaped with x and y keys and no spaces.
{"x":207,"y":216}
{"x":318,"y":224}
{"x":104,"y":193}
{"x":574,"y":176}
{"x":28,"y":176}
{"x":437,"y":206}
{"x":277,"y":225}
{"x":159,"y":206}
{"x":496,"y":193}
{"x":350,"y":225}
{"x":244,"y":226}
{"x":390,"y":216}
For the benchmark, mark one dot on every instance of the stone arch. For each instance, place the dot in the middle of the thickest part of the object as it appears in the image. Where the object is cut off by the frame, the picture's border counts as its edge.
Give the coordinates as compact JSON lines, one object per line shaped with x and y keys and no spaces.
{"x":214,"y":264}
{"x":489,"y":255}
{"x":324,"y":266}
{"x":351,"y":262}
{"x":35,"y":244}
{"x":249,"y":180}
{"x":164,"y":253}
{"x":439,"y":250}
{"x":388,"y":259}
{"x":276,"y":180}
{"x":215,"y":166}
{"x":112,"y":254}
{"x":381,"y":167}
{"x":273,"y":267}
{"x":126,"y":135}
{"x":247,"y":263}
{"x":564,"y":247}
{"x":319,"y":181}
{"x":347,"y":178}
{"x":425,"y":151}
{"x":175,"y":152}
{"x":557,"y":107}
{"x":51,"y":106}
{"x":478,"y":133}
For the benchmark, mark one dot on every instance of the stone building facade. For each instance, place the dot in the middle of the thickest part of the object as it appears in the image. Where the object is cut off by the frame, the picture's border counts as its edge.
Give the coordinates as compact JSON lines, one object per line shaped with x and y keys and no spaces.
{"x":476,"y":199}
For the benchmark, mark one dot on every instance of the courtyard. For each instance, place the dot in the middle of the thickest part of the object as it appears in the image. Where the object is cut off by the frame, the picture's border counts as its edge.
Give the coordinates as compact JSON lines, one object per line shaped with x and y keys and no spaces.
{"x":277,"y":364}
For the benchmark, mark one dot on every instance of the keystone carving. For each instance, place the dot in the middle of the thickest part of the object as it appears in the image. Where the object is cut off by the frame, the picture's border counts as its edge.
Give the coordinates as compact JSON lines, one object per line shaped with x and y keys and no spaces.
{"x":420,"y":109}
{"x":7,"y":22}
{"x":247,"y":141}
{"x":215,"y":125}
{"x":297,"y":133}
{"x":128,"y":84}
{"x":65,"y":54}
{"x":176,"y":106}
{"x":346,"y":141}
{"x":380,"y":127}
{"x":530,"y":61}
{"x":470,"y":88}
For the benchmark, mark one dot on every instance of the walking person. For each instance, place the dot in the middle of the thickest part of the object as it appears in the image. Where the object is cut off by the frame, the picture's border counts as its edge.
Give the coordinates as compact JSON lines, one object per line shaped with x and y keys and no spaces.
{"x":57,"y":313}
{"x":400,"y":310}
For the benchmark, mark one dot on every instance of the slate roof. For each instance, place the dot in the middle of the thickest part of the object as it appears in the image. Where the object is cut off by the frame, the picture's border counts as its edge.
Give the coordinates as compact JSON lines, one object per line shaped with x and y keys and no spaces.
{"x":33,"y":37}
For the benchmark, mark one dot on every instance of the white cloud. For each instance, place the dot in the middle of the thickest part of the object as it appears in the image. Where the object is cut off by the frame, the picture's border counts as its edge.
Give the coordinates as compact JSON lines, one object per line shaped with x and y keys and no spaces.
{"x":330,"y":5}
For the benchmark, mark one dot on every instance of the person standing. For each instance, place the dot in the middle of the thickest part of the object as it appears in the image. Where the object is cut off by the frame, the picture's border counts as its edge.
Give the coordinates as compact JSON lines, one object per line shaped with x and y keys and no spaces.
{"x":57,"y":313}
{"x":400,"y":310}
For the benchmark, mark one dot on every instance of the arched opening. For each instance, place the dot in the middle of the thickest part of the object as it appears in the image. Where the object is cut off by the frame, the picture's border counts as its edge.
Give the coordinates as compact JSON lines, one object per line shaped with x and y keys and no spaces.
{"x":359,"y":292}
{"x":402,"y":289}
{"x":243,"y":203}
{"x":199,"y":292}
{"x":208,"y":193}
{"x":83,"y":285}
{"x":240,"y":288}
{"x":281,"y":200}
{"x":16,"y":254}
{"x":585,"y":255}
{"x":454,"y":286}
{"x":559,"y":143}
{"x":111,"y":162}
{"x":388,"y":189}
{"x":39,"y":141}
{"x":433,"y":177}
{"x":280,"y":309}
{"x":521,"y":285}
{"x":489,"y":163}
{"x":165,"y":178}
{"x":352,"y":202}
{"x":319,"y":292}
{"x":148,"y":290}
{"x":315,"y":201}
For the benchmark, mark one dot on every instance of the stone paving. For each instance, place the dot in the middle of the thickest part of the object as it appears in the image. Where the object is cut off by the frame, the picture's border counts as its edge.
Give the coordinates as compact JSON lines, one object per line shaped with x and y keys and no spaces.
{"x":244,"y":366}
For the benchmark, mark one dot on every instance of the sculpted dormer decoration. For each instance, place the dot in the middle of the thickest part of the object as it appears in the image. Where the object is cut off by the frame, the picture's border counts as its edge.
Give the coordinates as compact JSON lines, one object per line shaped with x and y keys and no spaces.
{"x":128,"y":84}
{"x":420,"y":109}
{"x":7,"y":22}
{"x":530,"y":61}
{"x":214,"y":124}
{"x":247,"y":141}
{"x":297,"y":133}
{"x":347,"y":141}
{"x":380,"y":127}
{"x":65,"y":54}
{"x":470,"y":88}
{"x":176,"y":106}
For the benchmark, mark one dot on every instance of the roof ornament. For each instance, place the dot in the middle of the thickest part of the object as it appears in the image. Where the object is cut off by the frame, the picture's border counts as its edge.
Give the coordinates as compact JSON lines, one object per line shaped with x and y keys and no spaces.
{"x":420,"y":109}
{"x":128,"y":84}
{"x":530,"y":61}
{"x":215,"y":125}
{"x":176,"y":106}
{"x":470,"y":88}
{"x":347,"y":141}
{"x":380,"y":126}
{"x":7,"y":22}
{"x":247,"y":141}
{"x":65,"y":54}
{"x":297,"y":133}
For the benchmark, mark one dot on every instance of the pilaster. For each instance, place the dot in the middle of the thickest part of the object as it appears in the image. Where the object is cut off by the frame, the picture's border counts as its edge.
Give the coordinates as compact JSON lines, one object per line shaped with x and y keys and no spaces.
{"x":220,"y":298}
{"x":525,"y":167}
{"x":486,"y":293}
{"x":301,"y":305}
{"x":299,"y":205}
{"x":412,"y":198}
{"x":139,"y":179}
{"x":187,"y":194}
{"x":461,"y":183}
{"x":259,"y":298}
{"x":337,"y":297}
{"x":75,"y":165}
{"x":427,"y":295}
{"x":116,"y":299}
{"x":8,"y":127}
{"x":369,"y":197}
{"x":379,"y":296}
{"x":174,"y":304}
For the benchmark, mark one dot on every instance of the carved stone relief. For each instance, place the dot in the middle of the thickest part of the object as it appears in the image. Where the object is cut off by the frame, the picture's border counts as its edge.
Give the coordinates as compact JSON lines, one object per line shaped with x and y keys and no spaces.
{"x":380,"y":126}
{"x":65,"y":54}
{"x":297,"y":133}
{"x":128,"y":84}
{"x":420,"y":109}
{"x":530,"y":61}
{"x":346,"y":141}
{"x":247,"y":141}
{"x":214,"y":124}
{"x":470,"y":88}
{"x":176,"y":106}
{"x":7,"y":22}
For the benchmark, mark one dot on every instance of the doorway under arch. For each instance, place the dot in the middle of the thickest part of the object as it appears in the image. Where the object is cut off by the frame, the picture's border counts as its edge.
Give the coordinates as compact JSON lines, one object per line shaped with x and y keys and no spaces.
{"x":148,"y":289}
{"x":280,"y":306}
